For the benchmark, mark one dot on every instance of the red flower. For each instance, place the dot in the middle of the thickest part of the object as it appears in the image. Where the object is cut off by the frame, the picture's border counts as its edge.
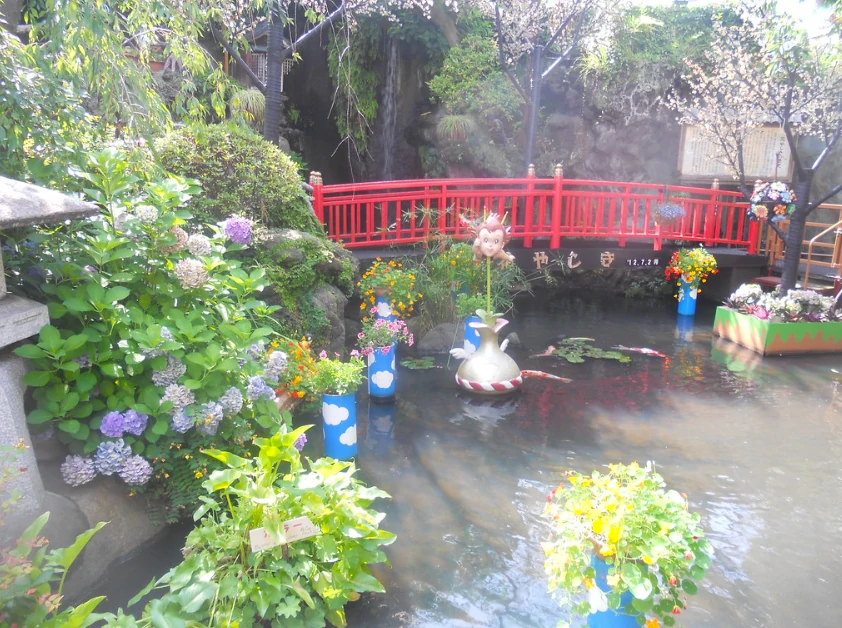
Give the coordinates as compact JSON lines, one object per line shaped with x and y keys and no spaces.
{"x":676,"y":610}
{"x":673,"y":581}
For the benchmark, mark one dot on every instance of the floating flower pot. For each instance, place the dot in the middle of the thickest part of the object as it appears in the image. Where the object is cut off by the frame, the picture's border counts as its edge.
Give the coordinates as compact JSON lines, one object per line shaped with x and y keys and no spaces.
{"x":472,"y":337}
{"x":687,"y":293}
{"x":609,"y":618}
{"x":381,"y":372}
{"x":339,"y":421}
{"x":768,"y":337}
{"x":489,"y":371}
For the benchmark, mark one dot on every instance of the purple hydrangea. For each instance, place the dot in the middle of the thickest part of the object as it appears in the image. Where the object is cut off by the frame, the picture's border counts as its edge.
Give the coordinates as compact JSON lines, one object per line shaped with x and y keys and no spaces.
{"x":300,"y":442}
{"x":180,"y":396}
{"x":134,"y":422}
{"x":209,"y":417}
{"x":136,"y":471}
{"x":238,"y":230}
{"x":255,"y":352}
{"x":84,"y":360}
{"x":276,"y":364}
{"x":232,"y":400}
{"x":111,"y":456}
{"x":257,"y":389}
{"x":112,"y":424}
{"x":170,"y":374}
{"x":181,"y":421}
{"x":77,"y":470}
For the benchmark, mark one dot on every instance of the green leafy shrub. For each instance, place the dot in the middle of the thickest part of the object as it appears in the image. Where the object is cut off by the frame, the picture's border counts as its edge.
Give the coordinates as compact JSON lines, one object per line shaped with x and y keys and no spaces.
{"x":154,"y":351}
{"x":239,"y":173}
{"x":224,"y":582}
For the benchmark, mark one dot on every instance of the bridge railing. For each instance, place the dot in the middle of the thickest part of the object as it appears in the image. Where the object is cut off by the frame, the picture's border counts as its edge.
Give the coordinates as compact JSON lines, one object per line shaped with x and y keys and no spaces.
{"x":386,"y":213}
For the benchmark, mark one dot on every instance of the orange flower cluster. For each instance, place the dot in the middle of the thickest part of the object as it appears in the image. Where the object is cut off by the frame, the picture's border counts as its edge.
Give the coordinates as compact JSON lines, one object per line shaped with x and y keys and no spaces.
{"x":391,"y":281}
{"x":301,"y":366}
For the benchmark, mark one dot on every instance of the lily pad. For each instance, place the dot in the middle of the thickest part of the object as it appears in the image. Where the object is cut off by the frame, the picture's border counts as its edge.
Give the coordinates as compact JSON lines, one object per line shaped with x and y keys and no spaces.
{"x":575,"y":350}
{"x":419,"y":364}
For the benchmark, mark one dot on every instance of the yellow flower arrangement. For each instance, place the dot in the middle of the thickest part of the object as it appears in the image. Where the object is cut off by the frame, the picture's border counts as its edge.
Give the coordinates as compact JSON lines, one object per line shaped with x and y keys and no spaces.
{"x":652,"y":544}
{"x":393,"y":282}
{"x":694,"y":266}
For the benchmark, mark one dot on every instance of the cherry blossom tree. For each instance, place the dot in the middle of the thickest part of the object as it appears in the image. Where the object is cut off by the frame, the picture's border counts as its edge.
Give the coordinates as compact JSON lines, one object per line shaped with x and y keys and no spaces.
{"x":764,"y":71}
{"x":538,"y":37}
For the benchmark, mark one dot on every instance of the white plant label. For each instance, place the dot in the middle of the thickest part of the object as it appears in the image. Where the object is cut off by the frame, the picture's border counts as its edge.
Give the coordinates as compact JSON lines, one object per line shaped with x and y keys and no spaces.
{"x":294,"y":530}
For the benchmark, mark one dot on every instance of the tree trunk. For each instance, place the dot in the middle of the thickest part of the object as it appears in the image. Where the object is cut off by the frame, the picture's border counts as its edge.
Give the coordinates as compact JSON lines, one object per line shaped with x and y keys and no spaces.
{"x":273,"y":112}
{"x":795,"y":233}
{"x":10,"y":13}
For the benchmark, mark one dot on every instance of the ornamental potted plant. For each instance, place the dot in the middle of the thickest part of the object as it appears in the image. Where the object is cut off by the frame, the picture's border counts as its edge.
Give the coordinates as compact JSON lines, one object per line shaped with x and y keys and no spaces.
{"x":623,"y":548}
{"x":337,"y":381}
{"x":389,"y":288}
{"x":378,"y":341}
{"x":771,"y":201}
{"x":691,"y":268}
{"x":802,"y":321}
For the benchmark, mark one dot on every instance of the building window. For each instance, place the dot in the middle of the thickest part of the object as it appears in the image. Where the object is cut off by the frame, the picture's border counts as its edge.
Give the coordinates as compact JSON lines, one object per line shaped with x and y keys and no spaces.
{"x":258,"y":65}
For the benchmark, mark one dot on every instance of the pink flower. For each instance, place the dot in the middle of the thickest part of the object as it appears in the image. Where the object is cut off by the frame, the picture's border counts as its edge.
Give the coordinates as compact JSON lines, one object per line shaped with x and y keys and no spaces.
{"x":355,"y":353}
{"x":385,"y":350}
{"x":360,"y":335}
{"x":323,"y":354}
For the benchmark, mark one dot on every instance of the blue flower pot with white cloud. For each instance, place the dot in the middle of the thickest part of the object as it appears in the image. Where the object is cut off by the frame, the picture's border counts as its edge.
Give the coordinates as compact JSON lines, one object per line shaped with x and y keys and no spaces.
{"x":339,"y":422}
{"x":687,"y":293}
{"x":471,"y":342}
{"x":384,"y":308}
{"x":597,"y":596}
{"x":381,"y":372}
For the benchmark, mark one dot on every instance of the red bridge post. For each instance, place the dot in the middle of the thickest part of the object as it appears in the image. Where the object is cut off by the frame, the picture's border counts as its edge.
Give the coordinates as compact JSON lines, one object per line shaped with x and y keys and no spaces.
{"x":318,"y":200}
{"x":555,"y":226}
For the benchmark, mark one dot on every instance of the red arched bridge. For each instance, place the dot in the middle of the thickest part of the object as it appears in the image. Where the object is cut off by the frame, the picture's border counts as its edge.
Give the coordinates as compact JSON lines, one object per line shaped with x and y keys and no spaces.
{"x":386,"y":213}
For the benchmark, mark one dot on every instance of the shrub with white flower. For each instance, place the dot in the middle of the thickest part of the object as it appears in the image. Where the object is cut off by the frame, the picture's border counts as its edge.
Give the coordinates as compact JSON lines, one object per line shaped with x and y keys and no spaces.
{"x":147,"y":214}
{"x":199,"y":245}
{"x":111,"y":456}
{"x":136,"y":472}
{"x":179,"y":396}
{"x":169,"y":374}
{"x":77,"y":470}
{"x":795,"y":306}
{"x":191,"y":273}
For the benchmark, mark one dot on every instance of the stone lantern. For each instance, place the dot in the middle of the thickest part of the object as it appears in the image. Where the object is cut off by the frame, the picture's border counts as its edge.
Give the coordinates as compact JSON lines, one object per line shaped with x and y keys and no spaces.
{"x":24,"y":205}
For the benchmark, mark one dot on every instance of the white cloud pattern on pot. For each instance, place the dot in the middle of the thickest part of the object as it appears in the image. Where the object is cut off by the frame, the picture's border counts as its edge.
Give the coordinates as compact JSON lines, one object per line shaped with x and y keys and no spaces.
{"x":333,"y":414}
{"x":384,"y":309}
{"x":382,"y":379}
{"x":349,"y":436}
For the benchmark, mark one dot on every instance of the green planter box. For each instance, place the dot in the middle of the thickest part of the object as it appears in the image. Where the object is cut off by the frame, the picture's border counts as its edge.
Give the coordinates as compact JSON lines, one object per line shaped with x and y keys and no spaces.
{"x":767,"y":337}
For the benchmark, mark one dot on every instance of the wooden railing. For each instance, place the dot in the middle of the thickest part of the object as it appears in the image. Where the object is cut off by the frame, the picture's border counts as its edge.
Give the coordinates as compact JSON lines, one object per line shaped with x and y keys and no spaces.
{"x":821,"y":246}
{"x":386,"y":213}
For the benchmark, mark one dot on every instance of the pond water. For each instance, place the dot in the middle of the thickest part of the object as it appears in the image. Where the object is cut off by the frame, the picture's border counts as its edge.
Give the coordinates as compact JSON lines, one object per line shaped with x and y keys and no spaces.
{"x":754,"y":442}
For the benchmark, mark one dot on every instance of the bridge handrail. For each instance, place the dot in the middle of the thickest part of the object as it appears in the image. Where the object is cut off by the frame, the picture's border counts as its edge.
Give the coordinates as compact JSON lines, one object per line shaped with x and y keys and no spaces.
{"x":407,"y":211}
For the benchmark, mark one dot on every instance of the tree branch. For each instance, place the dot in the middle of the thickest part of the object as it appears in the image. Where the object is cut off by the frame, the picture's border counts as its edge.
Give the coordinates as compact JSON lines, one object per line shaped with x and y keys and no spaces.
{"x":237,"y":58}
{"x":825,"y":198}
{"x":330,"y":19}
{"x":793,"y":149}
{"x":777,"y":230}
{"x":502,"y":55}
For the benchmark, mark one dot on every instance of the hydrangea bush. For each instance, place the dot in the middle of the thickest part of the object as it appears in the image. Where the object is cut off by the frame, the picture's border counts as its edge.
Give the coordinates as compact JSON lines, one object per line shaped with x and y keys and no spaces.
{"x":796,"y":306}
{"x":147,"y":360}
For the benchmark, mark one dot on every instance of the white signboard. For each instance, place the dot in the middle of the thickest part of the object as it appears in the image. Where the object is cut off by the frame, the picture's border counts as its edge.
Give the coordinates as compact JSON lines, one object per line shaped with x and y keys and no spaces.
{"x":294,"y":530}
{"x":766,"y":156}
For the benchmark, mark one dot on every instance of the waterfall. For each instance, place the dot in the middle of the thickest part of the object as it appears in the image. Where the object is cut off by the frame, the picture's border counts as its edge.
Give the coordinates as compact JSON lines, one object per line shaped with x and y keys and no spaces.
{"x":390,"y":111}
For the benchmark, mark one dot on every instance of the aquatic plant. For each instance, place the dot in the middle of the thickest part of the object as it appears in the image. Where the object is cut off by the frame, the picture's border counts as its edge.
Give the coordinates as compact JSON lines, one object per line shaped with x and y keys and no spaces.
{"x":419,"y":364}
{"x":575,"y":350}
{"x":653,"y":545}
{"x":242,"y":565}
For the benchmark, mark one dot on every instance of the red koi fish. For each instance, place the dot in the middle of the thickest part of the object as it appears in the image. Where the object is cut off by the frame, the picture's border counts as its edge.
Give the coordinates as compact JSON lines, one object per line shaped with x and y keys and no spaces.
{"x":544,"y":375}
{"x":643,"y":350}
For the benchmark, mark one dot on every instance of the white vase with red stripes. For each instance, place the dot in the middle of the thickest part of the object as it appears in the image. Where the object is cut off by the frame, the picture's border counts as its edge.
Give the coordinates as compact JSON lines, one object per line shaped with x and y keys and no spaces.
{"x":489,"y":370}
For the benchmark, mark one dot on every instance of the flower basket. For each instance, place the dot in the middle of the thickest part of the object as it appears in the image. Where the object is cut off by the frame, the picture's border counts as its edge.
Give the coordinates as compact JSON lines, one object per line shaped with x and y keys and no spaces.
{"x":771,"y":201}
{"x":651,"y":544}
{"x":388,"y":289}
{"x":690,"y":268}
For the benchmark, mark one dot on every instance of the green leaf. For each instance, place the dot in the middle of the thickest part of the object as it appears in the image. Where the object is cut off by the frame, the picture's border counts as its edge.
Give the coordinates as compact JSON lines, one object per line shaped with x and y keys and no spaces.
{"x":50,"y":337}
{"x":78,"y":617}
{"x":71,"y":426}
{"x":112,"y":370}
{"x":66,"y":556}
{"x":192,"y":597}
{"x":56,"y":310}
{"x":163,"y":617}
{"x":117,"y":293}
{"x":85,"y":382}
{"x":70,"y":401}
{"x":77,"y":305}
{"x":689,"y":587}
{"x":142,"y":593}
{"x":31,"y":352}
{"x":37,"y":417}
{"x":366,"y":582}
{"x":36,"y":379}
{"x":643,"y":605}
{"x":75,"y":342}
{"x":161,"y":427}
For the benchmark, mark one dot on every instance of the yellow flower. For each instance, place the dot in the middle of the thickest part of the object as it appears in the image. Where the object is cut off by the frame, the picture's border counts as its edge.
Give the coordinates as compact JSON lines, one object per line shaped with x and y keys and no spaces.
{"x":652,"y":623}
{"x":198,"y":474}
{"x":613,"y":581}
{"x":606,"y":550}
